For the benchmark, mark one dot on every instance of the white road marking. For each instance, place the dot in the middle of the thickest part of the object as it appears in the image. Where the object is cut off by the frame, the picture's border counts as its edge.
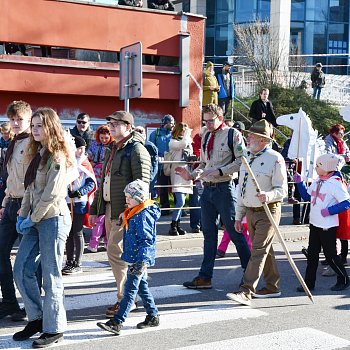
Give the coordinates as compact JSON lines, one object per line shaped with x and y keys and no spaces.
{"x":291,"y":339}
{"x":108,"y":298}
{"x":87,"y":331}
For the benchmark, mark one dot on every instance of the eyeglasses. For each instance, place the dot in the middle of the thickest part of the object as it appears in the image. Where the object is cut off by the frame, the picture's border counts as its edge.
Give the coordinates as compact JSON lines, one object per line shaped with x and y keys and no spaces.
{"x":116,"y":124}
{"x":209,"y":121}
{"x":81,"y":122}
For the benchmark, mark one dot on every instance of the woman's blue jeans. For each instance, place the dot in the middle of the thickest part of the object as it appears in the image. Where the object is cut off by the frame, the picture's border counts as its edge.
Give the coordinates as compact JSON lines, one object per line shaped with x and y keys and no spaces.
{"x":44,"y":243}
{"x":180,"y":202}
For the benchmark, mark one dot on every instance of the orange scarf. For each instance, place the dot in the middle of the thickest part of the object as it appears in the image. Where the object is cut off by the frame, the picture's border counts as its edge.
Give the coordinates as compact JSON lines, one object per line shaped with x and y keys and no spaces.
{"x":130,"y":212}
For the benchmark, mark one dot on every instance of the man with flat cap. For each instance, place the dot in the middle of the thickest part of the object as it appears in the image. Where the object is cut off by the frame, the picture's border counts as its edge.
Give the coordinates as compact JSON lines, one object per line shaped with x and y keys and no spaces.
{"x":270,"y":171}
{"x":126,"y":160}
{"x":226,"y":93}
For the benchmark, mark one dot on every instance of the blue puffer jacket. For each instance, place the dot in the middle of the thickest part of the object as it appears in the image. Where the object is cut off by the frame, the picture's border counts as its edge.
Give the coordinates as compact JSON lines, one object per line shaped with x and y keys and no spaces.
{"x":139,"y":241}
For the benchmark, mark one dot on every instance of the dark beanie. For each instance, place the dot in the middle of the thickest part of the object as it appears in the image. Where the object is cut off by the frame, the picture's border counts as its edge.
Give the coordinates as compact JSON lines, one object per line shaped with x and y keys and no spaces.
{"x":79,"y":141}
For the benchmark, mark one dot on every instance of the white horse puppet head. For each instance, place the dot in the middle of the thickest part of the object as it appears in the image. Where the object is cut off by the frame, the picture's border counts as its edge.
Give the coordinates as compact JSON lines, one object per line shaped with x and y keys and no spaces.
{"x":303,"y":141}
{"x":301,"y":125}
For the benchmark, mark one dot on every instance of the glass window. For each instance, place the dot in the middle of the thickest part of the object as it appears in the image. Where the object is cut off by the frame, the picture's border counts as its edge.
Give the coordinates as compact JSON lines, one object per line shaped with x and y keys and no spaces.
{"x":298,"y":10}
{"x":317,"y":10}
{"x":224,"y":12}
{"x":339,"y":10}
{"x":246,"y":10}
{"x":224,"y":40}
{"x":264,"y":10}
{"x":315,"y":37}
{"x":209,"y":41}
{"x":210,"y":12}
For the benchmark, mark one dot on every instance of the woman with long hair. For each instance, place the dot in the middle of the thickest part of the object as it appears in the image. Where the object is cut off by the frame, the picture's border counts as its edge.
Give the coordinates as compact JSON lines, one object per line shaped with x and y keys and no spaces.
{"x":180,"y":146}
{"x":97,"y":149}
{"x":44,"y":221}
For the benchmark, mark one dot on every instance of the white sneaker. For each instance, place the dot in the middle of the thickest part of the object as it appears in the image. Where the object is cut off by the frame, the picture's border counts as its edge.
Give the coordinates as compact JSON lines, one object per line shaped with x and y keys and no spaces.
{"x":92,"y":250}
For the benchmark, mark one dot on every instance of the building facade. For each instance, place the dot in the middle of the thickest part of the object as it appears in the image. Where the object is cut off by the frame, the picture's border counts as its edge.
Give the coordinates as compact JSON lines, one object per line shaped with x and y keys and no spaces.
{"x":316,"y":27}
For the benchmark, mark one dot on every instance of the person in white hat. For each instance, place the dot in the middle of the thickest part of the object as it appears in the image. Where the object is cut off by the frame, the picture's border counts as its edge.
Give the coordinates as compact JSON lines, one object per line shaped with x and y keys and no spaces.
{"x":328,"y":197}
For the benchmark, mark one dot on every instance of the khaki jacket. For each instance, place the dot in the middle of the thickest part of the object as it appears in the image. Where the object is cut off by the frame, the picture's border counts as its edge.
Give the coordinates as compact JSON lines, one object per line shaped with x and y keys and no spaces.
{"x":46,"y":196}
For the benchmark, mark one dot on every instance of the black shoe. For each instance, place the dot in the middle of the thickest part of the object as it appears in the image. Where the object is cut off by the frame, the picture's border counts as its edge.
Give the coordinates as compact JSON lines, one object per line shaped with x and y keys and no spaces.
{"x":29,"y":330}
{"x":69,"y":266}
{"x":305,"y":252}
{"x":341,"y":286}
{"x":344,"y":262}
{"x":74,"y":268}
{"x":47,"y":339}
{"x":179,"y":229}
{"x":324,"y":263}
{"x":19,"y":316}
{"x":196,"y":230}
{"x":7,"y":309}
{"x":173,"y":229}
{"x":111,"y":326}
{"x":301,"y":289}
{"x":150,"y":321}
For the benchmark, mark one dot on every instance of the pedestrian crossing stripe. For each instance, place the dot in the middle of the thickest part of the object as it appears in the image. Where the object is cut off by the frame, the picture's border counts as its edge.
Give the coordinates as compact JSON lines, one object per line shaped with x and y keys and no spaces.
{"x":87,"y":331}
{"x":291,"y":339}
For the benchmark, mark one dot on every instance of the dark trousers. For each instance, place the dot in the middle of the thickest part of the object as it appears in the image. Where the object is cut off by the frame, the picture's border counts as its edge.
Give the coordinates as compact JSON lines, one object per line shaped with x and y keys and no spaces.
{"x":8,"y":236}
{"x":224,"y":103}
{"x":325,"y":239}
{"x":163,"y":191}
{"x":75,"y":240}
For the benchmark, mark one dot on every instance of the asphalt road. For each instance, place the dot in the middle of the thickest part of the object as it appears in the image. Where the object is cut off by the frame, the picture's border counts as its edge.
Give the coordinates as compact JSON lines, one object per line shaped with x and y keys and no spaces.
{"x":192,"y":319}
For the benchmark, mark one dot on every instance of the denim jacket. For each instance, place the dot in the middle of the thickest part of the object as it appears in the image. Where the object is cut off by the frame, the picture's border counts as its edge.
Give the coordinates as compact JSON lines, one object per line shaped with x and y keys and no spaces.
{"x":139,"y":241}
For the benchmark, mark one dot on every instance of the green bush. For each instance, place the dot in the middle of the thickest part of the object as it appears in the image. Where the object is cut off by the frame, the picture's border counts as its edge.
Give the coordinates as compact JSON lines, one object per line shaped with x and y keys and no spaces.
{"x":287,"y":101}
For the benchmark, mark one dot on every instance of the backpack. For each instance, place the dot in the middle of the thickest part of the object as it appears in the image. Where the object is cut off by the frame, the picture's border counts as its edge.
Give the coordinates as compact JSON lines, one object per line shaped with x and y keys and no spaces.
{"x":168,"y":156}
{"x":229,"y":141}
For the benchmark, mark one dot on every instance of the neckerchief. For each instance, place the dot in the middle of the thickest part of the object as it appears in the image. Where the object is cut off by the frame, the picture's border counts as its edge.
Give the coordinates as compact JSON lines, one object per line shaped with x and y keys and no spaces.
{"x":340,"y":145}
{"x":130,"y":212}
{"x":11,"y":146}
{"x":320,"y":181}
{"x":245,"y":179}
{"x":210,"y":143}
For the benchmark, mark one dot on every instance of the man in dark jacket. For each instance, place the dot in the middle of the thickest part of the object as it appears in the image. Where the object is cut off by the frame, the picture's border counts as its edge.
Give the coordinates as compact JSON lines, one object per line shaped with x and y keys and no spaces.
{"x":226,"y":93}
{"x":318,"y":80}
{"x":262,"y":108}
{"x":82,"y":128}
{"x":166,"y":5}
{"x":126,"y":161}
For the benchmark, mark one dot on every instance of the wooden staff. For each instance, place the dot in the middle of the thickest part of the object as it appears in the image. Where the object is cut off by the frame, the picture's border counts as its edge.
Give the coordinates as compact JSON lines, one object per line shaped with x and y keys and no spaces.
{"x":273,"y":223}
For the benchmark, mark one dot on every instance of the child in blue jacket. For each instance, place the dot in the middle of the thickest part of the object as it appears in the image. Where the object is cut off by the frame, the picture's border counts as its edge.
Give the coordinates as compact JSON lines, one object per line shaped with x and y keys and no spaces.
{"x":139,"y":251}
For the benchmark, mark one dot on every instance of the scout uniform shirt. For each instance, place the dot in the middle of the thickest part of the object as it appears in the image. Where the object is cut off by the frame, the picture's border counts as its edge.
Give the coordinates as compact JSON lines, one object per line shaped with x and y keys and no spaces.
{"x":16,"y":168}
{"x":221,"y":156}
{"x":270,"y":171}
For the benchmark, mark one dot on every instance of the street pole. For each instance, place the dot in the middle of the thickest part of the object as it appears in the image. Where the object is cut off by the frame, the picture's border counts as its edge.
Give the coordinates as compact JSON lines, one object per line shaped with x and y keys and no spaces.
{"x":126,"y":86}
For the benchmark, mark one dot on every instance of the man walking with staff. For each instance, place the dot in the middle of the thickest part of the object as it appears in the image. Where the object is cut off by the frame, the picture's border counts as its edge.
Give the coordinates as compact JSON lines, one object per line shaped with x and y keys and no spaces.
{"x":270,"y":171}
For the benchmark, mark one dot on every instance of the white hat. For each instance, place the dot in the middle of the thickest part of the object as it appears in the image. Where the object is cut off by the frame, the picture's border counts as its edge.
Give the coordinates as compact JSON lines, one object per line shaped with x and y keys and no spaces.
{"x":138,"y":190}
{"x":330,"y":162}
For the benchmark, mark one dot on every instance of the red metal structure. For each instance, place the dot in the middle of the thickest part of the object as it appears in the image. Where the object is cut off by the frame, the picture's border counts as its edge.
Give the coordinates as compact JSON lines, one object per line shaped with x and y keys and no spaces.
{"x":72,"y":86}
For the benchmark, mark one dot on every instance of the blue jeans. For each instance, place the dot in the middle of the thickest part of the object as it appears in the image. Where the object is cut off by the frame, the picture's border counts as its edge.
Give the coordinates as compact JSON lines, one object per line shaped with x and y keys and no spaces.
{"x":180,"y":202}
{"x":317,"y":92}
{"x":195,"y":214}
{"x":215,"y":201}
{"x":8,"y":236}
{"x":135,"y":284}
{"x":44,"y":243}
